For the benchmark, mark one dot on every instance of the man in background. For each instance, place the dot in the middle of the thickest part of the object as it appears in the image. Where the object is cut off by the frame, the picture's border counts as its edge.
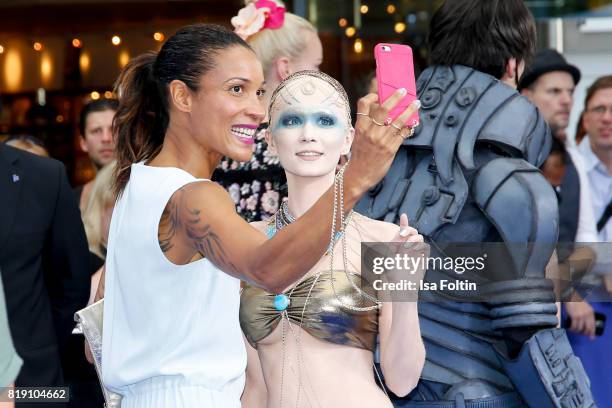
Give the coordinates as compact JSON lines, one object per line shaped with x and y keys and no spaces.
{"x":95,"y":127}
{"x":97,"y":140}
{"x":43,"y":261}
{"x":596,"y":149}
{"x":549,"y":83}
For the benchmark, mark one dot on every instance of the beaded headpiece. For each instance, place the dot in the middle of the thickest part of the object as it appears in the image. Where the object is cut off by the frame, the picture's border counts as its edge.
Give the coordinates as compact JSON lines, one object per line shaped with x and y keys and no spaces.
{"x":285,"y":90}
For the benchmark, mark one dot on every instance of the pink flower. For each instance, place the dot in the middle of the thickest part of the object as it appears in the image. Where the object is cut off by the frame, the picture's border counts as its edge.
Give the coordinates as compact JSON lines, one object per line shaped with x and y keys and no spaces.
{"x":275,"y":15}
{"x":249,"y":21}
{"x":257,"y":16}
{"x":269,"y":201}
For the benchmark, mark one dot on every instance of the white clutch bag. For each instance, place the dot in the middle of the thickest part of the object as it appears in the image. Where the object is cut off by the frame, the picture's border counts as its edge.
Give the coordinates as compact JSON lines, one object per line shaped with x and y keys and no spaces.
{"x":90,"y":322}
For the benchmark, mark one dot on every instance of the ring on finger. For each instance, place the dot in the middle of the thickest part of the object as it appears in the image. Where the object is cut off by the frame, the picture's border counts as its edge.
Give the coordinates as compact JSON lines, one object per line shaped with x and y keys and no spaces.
{"x":397,"y":127}
{"x":377,"y":122}
{"x":405,"y":135}
{"x":362,"y":114}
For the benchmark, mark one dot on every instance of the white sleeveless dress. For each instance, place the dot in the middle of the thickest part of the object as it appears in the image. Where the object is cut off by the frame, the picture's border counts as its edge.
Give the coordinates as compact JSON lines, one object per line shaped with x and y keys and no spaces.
{"x":171,"y":336}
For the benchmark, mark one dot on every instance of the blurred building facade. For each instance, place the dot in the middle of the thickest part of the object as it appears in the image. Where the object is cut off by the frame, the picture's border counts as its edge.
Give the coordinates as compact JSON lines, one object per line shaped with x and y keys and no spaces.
{"x":55,"y":55}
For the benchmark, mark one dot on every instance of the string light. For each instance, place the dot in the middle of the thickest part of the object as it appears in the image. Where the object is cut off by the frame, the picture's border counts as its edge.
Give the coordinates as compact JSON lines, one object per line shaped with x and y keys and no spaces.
{"x":116,"y":40}
{"x":76,"y":43}
{"x":400,"y":27}
{"x":350,"y":31}
{"x":46,"y":68}
{"x":1,"y":49}
{"x":13,"y":70}
{"x":37,"y":46}
{"x":157,"y":36}
{"x":391,"y":9}
{"x":343,"y":22}
{"x":124,"y":58}
{"x":84,"y":62}
{"x":108,"y":94}
{"x":358,"y":46}
{"x":95,"y":95}
{"x":364,"y":9}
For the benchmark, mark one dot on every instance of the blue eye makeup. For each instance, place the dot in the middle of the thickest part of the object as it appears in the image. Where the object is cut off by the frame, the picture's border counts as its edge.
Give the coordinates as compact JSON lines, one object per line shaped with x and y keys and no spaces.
{"x":326,"y":120}
{"x":291,"y":120}
{"x":323,"y":120}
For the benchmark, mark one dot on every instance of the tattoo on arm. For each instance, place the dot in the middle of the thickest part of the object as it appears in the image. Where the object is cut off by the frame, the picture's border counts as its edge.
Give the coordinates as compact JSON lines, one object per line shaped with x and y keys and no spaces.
{"x":169,"y":223}
{"x":207,"y":242}
{"x":179,"y":219}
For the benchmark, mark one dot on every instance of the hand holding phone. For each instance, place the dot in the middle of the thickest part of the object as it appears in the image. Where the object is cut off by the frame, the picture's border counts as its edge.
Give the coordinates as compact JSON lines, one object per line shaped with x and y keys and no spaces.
{"x":395,"y":70}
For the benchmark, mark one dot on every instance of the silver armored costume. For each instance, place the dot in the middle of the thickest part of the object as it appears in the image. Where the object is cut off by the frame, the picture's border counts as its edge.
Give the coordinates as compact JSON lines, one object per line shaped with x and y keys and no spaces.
{"x":470,"y":175}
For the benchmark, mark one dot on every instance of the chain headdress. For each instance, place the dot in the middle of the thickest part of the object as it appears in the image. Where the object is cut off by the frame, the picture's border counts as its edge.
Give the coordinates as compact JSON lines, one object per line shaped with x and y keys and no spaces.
{"x":340,"y":94}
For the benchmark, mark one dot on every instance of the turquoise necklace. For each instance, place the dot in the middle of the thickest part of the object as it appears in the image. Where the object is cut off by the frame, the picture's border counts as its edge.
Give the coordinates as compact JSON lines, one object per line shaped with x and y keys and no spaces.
{"x":281,"y":219}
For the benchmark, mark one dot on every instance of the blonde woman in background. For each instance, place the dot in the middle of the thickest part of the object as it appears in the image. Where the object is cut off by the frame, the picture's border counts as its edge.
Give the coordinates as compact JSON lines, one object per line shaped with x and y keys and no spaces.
{"x":284,"y":43}
{"x":96,"y":219}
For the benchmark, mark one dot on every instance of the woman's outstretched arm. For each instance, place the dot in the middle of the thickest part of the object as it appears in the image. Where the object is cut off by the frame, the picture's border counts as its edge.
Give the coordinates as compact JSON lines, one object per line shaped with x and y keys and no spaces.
{"x":200,"y":218}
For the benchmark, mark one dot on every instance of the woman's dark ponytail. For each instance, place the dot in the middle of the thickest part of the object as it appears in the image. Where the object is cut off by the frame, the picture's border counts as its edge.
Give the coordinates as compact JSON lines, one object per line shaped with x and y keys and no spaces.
{"x":143,"y":115}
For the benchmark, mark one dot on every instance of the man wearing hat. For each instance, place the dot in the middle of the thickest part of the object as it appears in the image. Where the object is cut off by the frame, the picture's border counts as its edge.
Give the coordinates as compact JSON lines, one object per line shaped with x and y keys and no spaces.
{"x":549,"y":83}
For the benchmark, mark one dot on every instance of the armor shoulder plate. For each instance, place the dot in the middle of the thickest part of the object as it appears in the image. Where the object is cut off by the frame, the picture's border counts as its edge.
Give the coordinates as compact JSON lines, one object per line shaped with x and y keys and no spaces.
{"x":519,"y":201}
{"x":462,"y":107}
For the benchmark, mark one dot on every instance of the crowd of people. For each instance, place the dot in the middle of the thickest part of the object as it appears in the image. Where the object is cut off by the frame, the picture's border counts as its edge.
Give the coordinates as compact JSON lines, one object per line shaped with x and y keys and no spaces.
{"x":224,"y":227}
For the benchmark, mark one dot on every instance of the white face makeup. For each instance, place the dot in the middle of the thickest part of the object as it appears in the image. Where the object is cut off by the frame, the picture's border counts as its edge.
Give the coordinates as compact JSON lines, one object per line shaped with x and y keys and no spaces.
{"x":310,"y":127}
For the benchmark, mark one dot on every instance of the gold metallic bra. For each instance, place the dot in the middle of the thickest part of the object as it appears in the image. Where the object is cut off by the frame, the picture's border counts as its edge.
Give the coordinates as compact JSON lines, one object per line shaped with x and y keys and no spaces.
{"x":324,"y":317}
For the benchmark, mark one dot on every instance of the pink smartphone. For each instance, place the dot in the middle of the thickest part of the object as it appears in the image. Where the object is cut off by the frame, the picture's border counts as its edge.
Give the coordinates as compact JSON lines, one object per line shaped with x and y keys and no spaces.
{"x":395,"y":70}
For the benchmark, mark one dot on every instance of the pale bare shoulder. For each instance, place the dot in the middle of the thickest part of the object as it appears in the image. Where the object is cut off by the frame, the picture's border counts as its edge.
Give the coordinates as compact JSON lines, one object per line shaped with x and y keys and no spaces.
{"x":372,"y":230}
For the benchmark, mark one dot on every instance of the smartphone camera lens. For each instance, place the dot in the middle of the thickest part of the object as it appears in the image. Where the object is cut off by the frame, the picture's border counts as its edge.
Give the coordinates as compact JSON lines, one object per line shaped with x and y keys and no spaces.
{"x":386,"y":48}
